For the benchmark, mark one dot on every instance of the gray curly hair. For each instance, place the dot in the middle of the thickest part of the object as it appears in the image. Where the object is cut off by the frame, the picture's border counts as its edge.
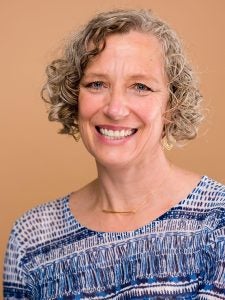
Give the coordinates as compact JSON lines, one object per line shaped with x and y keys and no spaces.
{"x":61,"y":90}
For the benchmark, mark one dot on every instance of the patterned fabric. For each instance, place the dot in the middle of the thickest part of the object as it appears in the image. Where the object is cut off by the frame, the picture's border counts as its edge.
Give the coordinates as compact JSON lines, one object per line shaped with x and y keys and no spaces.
{"x":180,"y":255}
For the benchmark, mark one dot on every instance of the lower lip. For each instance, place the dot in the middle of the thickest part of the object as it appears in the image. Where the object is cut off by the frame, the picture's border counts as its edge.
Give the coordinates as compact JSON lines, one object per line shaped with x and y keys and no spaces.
{"x":118,"y":141}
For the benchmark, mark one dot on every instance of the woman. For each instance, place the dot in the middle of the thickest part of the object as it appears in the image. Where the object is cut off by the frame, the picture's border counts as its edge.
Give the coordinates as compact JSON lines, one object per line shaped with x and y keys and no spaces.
{"x":144,"y":229}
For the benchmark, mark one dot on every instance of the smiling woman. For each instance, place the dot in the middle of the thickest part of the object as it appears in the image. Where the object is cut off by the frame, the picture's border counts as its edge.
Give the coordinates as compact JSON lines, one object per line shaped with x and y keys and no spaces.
{"x":128,"y":100}
{"x":144,"y":228}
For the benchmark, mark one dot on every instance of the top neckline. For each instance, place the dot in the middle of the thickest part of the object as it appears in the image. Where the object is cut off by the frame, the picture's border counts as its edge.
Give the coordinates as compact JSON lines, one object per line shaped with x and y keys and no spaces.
{"x":139,"y":229}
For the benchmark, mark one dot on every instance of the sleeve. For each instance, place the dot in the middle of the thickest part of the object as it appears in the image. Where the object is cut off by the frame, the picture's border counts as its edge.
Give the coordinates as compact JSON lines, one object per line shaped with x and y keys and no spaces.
{"x":214,"y":285}
{"x":15,"y":284}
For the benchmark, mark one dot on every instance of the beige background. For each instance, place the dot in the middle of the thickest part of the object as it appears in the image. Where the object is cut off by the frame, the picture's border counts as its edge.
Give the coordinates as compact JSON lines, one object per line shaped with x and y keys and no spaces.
{"x":38,"y":165}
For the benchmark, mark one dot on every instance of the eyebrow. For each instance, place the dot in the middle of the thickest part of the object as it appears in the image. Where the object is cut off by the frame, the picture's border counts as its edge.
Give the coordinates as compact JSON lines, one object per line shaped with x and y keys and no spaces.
{"x":143,"y":76}
{"x":137,"y":76}
{"x":100,"y":75}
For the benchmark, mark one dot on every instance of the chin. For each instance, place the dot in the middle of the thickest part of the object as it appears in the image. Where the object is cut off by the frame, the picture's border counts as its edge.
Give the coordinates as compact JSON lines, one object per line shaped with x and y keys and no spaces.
{"x":112,"y":164}
{"x":112,"y":159}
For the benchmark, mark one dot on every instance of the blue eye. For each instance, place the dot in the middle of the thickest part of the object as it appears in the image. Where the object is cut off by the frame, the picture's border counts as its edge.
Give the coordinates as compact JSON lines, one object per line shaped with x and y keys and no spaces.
{"x":96,"y":85}
{"x":140,"y":87}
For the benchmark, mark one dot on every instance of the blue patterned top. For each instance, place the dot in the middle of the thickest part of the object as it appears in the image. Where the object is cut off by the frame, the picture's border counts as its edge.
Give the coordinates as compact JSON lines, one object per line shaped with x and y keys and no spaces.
{"x":180,"y":255}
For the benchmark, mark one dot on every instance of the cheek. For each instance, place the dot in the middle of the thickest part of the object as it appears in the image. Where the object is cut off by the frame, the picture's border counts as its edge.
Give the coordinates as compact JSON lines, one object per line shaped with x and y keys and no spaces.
{"x":88,"y":105}
{"x":159,"y":109}
{"x":150,"y":113}
{"x":85,"y":108}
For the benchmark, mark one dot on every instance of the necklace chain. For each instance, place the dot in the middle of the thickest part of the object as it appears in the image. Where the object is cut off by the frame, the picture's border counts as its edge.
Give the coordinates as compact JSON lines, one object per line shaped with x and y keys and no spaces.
{"x":132,"y":211}
{"x":124,"y":212}
{"x":119,"y":212}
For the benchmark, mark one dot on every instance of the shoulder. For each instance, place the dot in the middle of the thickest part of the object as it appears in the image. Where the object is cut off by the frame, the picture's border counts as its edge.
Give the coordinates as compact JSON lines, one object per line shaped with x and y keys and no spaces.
{"x":211,"y":192}
{"x":206,"y":204}
{"x":209,"y":203}
{"x":42,"y":223}
{"x":211,"y":184}
{"x":45,"y":213}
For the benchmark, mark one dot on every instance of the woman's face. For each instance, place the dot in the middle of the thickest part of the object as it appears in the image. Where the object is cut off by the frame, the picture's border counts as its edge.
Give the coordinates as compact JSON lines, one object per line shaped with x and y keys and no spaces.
{"x":123,"y":95}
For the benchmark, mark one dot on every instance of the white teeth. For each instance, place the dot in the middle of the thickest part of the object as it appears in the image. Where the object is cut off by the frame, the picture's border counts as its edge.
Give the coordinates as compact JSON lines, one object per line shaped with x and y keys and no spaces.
{"x":116,"y":134}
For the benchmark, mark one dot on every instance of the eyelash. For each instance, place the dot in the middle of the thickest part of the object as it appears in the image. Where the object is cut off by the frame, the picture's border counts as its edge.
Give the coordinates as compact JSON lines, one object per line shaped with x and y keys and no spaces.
{"x":139,"y":87}
{"x":94,"y":84}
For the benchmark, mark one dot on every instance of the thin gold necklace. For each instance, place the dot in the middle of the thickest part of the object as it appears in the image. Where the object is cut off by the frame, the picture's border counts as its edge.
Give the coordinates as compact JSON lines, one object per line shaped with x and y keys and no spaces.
{"x":118,"y":211}
{"x":125,"y":212}
{"x":132,"y":211}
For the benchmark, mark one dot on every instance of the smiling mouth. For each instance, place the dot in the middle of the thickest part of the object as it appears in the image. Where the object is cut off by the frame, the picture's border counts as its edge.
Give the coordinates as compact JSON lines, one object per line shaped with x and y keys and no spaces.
{"x":116,"y":134}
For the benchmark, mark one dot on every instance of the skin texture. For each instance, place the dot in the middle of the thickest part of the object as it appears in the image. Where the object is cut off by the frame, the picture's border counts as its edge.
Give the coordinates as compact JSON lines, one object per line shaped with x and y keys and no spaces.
{"x":125,"y":88}
{"x":117,"y":101}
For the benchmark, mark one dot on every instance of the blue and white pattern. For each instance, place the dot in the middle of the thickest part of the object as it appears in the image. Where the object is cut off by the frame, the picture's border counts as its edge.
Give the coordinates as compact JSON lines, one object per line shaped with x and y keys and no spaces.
{"x":180,"y":255}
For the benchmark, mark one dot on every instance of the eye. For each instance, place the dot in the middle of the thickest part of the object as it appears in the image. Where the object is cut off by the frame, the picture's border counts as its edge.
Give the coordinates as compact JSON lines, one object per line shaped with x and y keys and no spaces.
{"x":141,"y":87}
{"x":96,"y":85}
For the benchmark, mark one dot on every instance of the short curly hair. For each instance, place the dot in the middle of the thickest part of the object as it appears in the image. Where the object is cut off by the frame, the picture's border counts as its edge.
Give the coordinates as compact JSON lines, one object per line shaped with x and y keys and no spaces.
{"x":61,"y":90}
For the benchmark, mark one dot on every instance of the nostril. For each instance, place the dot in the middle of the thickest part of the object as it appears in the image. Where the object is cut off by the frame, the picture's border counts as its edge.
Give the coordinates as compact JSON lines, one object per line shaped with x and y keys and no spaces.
{"x":116,"y":111}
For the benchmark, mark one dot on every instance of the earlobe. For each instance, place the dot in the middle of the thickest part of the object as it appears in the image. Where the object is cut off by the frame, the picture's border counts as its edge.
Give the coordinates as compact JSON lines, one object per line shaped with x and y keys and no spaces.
{"x":167,"y":143}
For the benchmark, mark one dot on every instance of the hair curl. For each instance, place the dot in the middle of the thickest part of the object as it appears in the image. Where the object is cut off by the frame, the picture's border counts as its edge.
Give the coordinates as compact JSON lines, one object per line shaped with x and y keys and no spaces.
{"x":64,"y":74}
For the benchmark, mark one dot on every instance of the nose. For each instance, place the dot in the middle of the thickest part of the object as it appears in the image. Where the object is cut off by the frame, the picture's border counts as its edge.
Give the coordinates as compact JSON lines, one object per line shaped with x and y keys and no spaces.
{"x":116,"y":107}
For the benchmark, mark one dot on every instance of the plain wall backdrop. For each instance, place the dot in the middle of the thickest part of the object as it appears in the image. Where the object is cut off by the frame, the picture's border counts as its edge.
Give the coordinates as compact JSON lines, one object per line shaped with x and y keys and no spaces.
{"x":37,"y":164}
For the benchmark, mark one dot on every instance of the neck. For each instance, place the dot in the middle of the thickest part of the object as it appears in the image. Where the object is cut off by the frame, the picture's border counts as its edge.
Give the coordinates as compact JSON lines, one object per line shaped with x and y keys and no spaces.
{"x":125,"y":190}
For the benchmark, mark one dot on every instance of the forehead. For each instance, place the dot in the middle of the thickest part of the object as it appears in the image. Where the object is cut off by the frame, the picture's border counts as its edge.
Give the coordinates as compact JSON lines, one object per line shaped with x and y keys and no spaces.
{"x":133,"y":51}
{"x":141,"y":39}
